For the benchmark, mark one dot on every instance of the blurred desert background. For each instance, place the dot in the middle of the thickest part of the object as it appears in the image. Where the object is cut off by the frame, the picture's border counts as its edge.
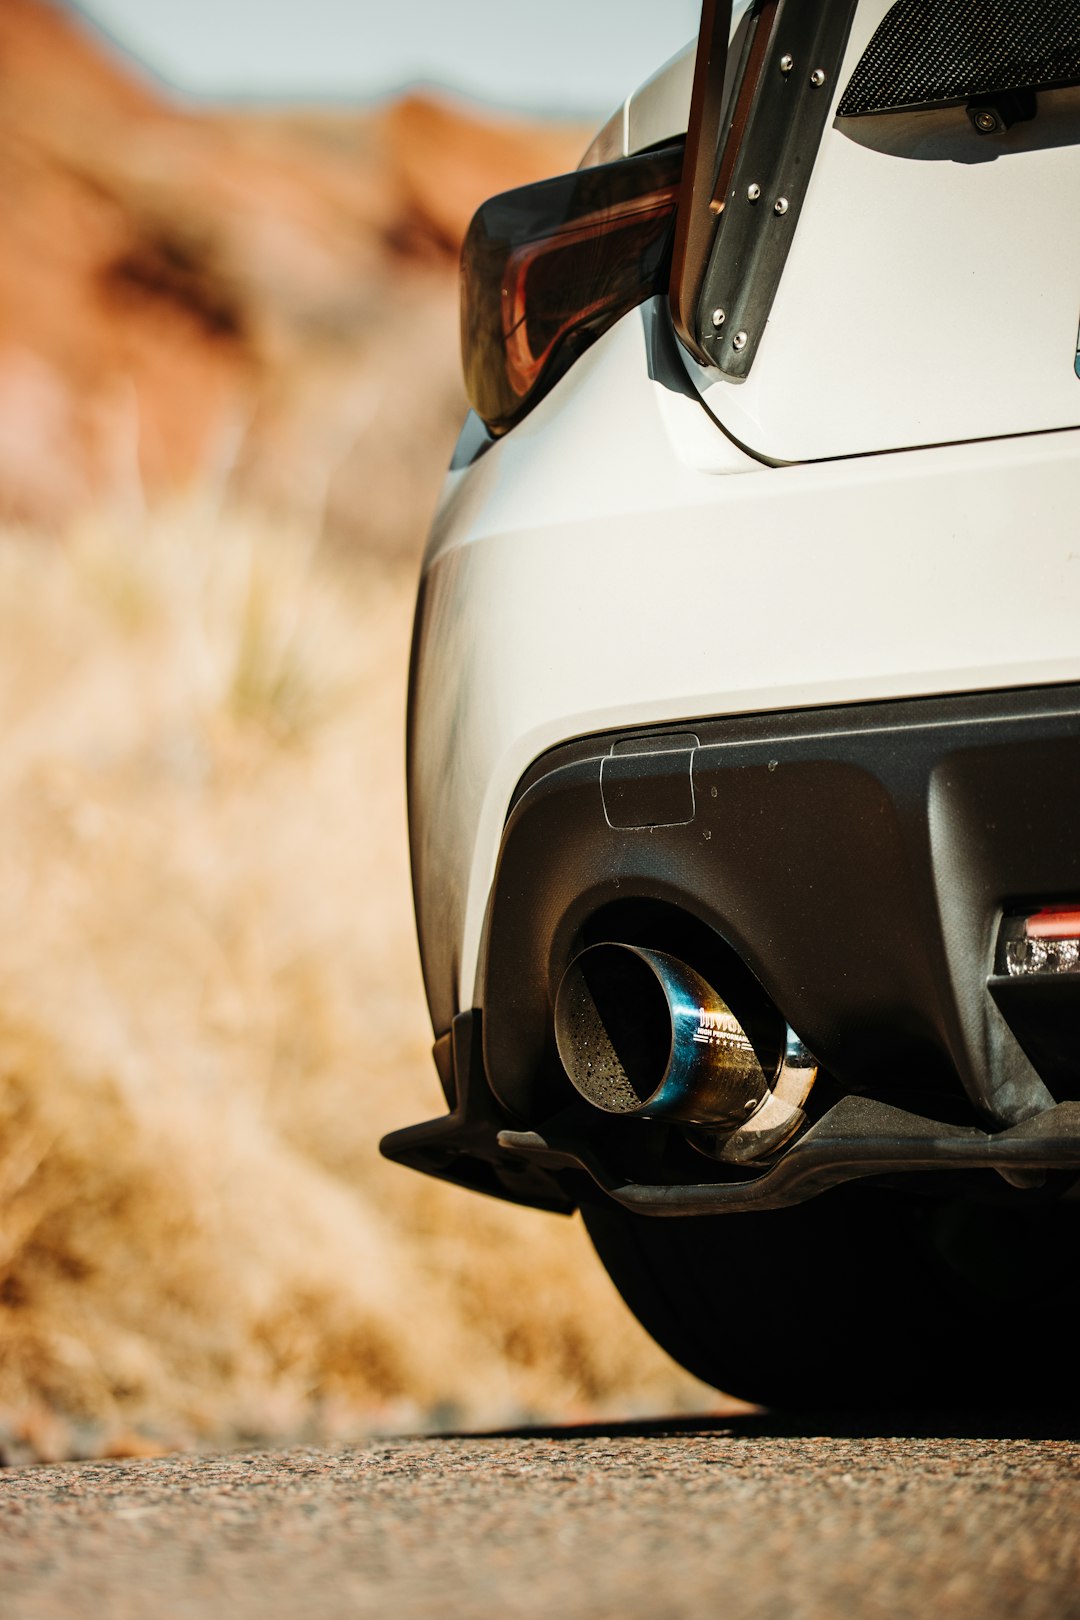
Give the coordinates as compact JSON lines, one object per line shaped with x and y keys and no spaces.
{"x":229,"y":386}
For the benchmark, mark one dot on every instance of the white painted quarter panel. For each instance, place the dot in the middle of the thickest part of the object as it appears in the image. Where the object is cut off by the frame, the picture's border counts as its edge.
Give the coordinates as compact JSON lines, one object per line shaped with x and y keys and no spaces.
{"x":932,"y":290}
{"x":615,"y":561}
{"x":660,"y":108}
{"x":656,"y":111}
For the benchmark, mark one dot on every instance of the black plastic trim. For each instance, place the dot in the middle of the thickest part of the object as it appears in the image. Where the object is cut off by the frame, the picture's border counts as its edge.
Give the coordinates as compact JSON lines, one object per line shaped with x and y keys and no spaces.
{"x":857,"y":1138}
{"x":942,"y":53}
{"x":463,"y":1146}
{"x":847,"y":868}
{"x":856,"y":860}
{"x":984,"y":710}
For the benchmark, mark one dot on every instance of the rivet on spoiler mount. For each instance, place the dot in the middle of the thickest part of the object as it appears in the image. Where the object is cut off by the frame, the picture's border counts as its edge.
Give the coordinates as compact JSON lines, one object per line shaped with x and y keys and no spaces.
{"x":753,"y":191}
{"x":718,"y":317}
{"x":817,"y":78}
{"x":780,"y":206}
{"x":739,"y":341}
{"x":786,"y":64}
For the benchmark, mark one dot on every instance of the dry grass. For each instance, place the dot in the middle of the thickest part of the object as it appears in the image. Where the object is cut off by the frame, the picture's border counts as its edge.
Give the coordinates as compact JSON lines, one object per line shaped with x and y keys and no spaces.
{"x":210,"y":1009}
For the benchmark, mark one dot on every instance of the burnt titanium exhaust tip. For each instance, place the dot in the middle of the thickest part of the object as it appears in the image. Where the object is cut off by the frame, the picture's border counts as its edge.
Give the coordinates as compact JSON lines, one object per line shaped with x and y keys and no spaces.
{"x":641,"y":1033}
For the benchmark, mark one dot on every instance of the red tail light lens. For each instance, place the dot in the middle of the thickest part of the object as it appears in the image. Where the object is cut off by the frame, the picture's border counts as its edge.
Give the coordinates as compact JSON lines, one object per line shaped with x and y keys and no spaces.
{"x":1045,"y":941}
{"x":548,"y":268}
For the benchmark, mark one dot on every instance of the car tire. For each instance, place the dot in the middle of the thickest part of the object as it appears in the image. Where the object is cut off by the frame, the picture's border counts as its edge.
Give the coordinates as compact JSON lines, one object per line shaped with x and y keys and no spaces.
{"x":861,"y":1298}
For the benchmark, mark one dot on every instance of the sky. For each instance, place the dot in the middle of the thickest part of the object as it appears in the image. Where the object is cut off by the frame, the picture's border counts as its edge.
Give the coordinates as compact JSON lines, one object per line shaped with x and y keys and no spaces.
{"x":577,"y":56}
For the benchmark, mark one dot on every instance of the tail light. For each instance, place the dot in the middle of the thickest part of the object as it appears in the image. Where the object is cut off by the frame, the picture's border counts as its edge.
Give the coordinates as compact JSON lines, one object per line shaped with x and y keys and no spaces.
{"x":1044,"y":941}
{"x":546,"y":269}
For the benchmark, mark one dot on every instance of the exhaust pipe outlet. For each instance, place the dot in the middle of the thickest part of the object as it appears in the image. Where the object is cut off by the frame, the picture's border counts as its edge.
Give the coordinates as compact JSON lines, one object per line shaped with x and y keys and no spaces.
{"x":641,"y":1033}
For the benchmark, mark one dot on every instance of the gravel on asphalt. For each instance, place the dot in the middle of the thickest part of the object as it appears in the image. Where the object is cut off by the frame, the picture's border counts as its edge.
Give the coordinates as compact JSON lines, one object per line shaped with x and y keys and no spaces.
{"x":746,"y":1516}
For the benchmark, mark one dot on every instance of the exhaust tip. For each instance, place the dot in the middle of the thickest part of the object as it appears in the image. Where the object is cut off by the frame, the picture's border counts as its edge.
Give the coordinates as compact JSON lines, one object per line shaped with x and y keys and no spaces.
{"x":613,"y":1028}
{"x":640,"y":1032}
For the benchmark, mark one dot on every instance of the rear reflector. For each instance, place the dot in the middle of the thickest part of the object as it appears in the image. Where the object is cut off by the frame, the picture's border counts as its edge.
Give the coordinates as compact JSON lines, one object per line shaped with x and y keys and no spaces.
{"x":1044,"y":941}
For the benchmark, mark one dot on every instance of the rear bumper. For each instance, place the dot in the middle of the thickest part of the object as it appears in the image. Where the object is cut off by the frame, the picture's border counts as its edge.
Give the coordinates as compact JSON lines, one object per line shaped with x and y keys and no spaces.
{"x":851,"y":865}
{"x":617,"y":561}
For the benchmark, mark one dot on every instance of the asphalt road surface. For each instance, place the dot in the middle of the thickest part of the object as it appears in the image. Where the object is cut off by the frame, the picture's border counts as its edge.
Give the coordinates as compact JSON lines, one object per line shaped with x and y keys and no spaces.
{"x":744,"y":1517}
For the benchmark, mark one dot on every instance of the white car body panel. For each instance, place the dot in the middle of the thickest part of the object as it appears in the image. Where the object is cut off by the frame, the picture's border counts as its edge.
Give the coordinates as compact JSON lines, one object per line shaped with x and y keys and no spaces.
{"x":913,"y":308}
{"x":910,"y":311}
{"x":657,"y":111}
{"x":616,"y":561}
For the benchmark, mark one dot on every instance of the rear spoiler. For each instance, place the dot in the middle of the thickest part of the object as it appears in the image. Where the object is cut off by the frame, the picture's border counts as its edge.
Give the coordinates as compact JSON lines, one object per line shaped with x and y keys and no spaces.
{"x":695,"y":222}
{"x":747,"y":164}
{"x":750,"y":154}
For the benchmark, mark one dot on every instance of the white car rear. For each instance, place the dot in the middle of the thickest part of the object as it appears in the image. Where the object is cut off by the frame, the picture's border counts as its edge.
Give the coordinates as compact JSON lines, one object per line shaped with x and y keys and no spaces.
{"x":744,"y":758}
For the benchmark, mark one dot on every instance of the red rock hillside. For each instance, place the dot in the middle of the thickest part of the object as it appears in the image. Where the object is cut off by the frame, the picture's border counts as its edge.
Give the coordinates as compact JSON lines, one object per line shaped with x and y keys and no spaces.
{"x":265,"y":301}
